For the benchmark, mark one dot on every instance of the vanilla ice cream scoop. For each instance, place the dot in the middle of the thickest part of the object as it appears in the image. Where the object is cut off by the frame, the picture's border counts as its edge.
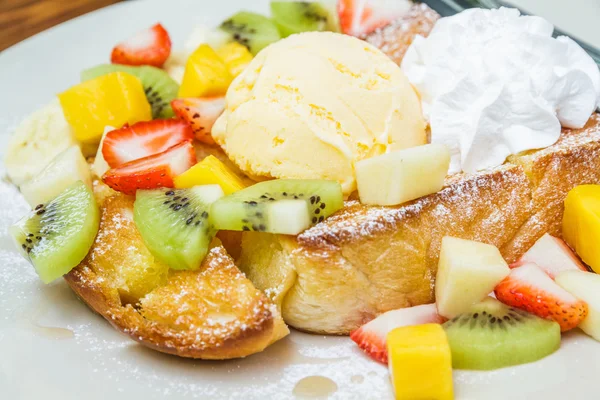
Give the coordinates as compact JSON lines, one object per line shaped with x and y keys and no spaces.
{"x":309,"y":106}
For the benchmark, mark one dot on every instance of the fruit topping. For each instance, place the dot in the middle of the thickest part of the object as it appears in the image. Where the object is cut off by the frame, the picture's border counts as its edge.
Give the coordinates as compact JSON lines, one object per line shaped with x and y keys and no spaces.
{"x":581,"y":223}
{"x":152,"y":172}
{"x":201,"y":114}
{"x":371,"y":337}
{"x":159,"y":87}
{"x":56,"y":236}
{"x":176,"y":225}
{"x":67,"y":168}
{"x":552,"y":255}
{"x":206,"y":74}
{"x":492,"y":335}
{"x":403,"y":175}
{"x":531,"y":289}
{"x":151,"y":46}
{"x":301,"y":16}
{"x":235,"y":56}
{"x":100,"y":166}
{"x":36,"y":142}
{"x":114,"y":99}
{"x":143,"y":139}
{"x":360,"y":17}
{"x":467,"y":272}
{"x":586,"y":287}
{"x":285,"y":206}
{"x":420,"y":363}
{"x":252,"y":30}
{"x":210,"y":171}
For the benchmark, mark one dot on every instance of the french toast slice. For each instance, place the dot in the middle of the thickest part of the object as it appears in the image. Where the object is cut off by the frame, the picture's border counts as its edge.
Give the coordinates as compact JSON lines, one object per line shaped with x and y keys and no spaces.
{"x":365,"y":260}
{"x":395,"y":39}
{"x":214,"y":312}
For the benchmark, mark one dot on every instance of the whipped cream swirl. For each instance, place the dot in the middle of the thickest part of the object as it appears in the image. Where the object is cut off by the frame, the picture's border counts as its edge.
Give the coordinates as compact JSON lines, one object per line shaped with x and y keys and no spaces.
{"x":495,"y":83}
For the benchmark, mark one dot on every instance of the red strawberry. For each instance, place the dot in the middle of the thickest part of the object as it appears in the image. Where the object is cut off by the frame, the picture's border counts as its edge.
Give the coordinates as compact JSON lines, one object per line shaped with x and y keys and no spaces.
{"x":360,"y":17}
{"x":143,"y":139}
{"x":152,"y":172}
{"x":200,"y":113}
{"x":371,"y":337}
{"x":151,"y":46}
{"x":529,"y":288}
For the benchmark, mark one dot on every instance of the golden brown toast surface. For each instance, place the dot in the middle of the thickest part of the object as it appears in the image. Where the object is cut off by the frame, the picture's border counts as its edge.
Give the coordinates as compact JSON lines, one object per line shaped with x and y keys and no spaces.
{"x":364,"y":260}
{"x":395,"y":38}
{"x":214,"y":312}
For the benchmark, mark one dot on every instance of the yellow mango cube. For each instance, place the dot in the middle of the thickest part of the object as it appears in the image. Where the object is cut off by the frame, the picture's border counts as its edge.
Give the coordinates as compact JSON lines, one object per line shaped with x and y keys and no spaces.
{"x":420,"y":363}
{"x":208,"y":172}
{"x":205,"y":74}
{"x":113,"y":99}
{"x":235,"y":56}
{"x":581,"y":223}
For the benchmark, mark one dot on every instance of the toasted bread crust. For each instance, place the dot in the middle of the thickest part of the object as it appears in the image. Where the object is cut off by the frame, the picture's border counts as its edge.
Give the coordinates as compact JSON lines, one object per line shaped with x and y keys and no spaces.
{"x":211,"y":313}
{"x":364,"y":260}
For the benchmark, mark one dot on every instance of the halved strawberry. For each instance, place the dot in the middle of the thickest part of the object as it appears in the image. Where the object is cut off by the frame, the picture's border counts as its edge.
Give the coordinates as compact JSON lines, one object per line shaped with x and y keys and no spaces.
{"x":371,"y":337}
{"x":529,"y":288}
{"x":151,"y":46}
{"x":152,"y":172}
{"x":552,"y":255}
{"x":200,"y":113}
{"x":360,"y":17}
{"x":143,"y":139}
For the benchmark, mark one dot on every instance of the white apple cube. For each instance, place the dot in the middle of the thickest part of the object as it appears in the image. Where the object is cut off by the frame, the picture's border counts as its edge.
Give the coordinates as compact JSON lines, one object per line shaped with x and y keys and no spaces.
{"x":403,"y":175}
{"x":65,"y":169}
{"x":100,"y":166}
{"x":467,"y":272}
{"x":552,"y":255}
{"x":585,"y":286}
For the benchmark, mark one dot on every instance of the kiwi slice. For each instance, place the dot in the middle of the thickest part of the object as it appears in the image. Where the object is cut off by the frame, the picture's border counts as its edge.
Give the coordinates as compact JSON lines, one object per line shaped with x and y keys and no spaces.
{"x":160,"y":88}
{"x":254,"y":31}
{"x":175,"y":224}
{"x":55,"y":237}
{"x":286,"y":206}
{"x":301,"y":16}
{"x":492,"y":335}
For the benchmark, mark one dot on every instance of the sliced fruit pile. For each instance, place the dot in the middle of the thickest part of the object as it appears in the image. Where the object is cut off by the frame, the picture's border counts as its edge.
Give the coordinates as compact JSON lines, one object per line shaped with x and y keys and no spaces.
{"x":549,"y":290}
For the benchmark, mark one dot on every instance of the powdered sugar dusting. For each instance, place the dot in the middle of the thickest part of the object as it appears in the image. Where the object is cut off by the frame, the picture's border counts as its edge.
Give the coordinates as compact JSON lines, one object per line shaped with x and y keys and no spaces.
{"x":394,"y":39}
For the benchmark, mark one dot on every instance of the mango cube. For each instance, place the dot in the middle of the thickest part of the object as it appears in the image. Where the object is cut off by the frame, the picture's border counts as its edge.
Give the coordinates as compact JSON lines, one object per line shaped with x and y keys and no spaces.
{"x":420,"y":363}
{"x":113,"y":99}
{"x":236,"y":57}
{"x":206,"y":74}
{"x":581,"y":223}
{"x":208,"y":172}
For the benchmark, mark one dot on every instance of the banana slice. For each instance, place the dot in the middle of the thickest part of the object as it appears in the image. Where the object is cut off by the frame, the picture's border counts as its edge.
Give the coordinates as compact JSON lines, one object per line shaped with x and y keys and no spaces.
{"x":37,"y":140}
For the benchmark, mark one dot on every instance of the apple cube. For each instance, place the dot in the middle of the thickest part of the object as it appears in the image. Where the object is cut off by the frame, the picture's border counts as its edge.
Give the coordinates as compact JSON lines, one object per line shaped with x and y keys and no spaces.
{"x":100,"y":166}
{"x":467,"y":272}
{"x":65,"y":169}
{"x":552,"y":255}
{"x":403,"y":175}
{"x":586,"y":287}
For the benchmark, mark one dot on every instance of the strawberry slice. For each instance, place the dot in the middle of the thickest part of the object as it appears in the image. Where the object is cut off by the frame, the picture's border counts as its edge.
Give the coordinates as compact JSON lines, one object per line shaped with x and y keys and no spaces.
{"x":361,"y":17}
{"x":152,"y":172}
{"x":143,"y":139}
{"x":151,"y":46}
{"x":200,"y":113}
{"x":529,"y":288}
{"x":371,"y":337}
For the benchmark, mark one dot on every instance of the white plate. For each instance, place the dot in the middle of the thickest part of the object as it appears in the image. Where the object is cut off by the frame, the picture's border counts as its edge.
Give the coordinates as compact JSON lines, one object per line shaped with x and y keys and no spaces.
{"x":53,"y":347}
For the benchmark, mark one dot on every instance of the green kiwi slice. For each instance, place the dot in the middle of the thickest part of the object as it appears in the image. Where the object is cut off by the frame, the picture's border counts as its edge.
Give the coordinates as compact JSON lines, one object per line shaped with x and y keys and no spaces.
{"x":159,"y":87}
{"x":55,"y":237}
{"x":301,"y":16}
{"x":285,"y":206}
{"x":254,"y":31}
{"x":492,"y":335}
{"x":175,"y":224}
